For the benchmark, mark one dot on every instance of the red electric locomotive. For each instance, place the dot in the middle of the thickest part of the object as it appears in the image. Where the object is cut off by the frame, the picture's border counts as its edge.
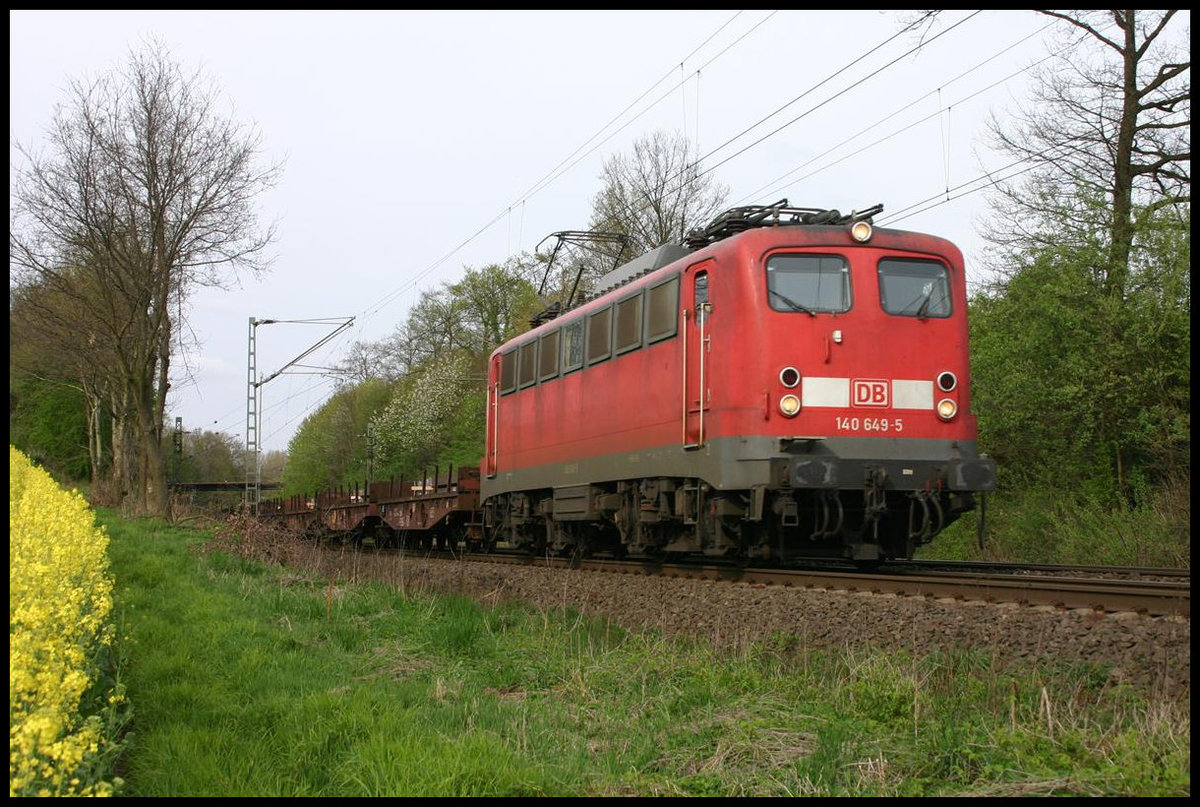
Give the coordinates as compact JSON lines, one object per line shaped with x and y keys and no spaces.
{"x":789,"y":383}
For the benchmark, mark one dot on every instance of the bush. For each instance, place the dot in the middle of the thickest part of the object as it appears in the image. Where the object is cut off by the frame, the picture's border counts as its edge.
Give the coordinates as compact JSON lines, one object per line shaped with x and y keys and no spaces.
{"x":1044,"y":525}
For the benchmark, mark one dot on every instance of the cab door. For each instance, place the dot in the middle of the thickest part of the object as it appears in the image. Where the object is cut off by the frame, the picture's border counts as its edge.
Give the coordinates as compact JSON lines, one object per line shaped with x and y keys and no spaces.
{"x":695,"y":327}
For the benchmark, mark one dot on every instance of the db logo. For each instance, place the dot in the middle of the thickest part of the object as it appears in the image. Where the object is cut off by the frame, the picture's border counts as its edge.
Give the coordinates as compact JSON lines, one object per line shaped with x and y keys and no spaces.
{"x":870,"y":392}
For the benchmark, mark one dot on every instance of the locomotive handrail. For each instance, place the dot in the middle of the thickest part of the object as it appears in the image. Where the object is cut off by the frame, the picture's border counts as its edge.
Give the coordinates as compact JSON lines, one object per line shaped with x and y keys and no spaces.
{"x":683,"y":386}
{"x":702,"y":307}
{"x":702,"y":311}
{"x":495,"y":431}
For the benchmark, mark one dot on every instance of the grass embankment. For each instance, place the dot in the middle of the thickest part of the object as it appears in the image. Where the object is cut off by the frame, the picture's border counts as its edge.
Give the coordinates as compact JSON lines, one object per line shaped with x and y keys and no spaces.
{"x":250,"y":679}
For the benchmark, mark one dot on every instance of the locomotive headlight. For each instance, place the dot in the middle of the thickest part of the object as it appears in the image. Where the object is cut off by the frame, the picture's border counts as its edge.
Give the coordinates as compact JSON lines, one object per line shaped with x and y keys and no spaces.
{"x":789,"y":377}
{"x":860,"y":231}
{"x":789,"y":405}
{"x":947,"y":409}
{"x":947,"y":381}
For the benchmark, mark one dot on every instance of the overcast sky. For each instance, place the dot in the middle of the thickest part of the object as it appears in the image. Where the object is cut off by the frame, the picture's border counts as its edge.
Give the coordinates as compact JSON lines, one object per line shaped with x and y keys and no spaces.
{"x":420,"y":143}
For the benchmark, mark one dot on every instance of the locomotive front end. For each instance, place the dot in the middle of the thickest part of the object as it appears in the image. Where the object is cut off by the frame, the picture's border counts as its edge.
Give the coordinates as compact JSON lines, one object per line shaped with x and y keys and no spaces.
{"x":864,"y":356}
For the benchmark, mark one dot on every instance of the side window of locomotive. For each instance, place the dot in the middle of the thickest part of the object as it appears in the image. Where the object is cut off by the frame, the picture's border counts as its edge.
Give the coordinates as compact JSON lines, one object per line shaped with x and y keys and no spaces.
{"x":914,"y":288}
{"x":662,"y":310}
{"x":508,"y":372}
{"x":701,"y":295}
{"x":527,"y":369}
{"x":809,"y":284}
{"x":629,"y":323}
{"x":548,"y":356}
{"x":599,"y":335}
{"x":572,"y":346}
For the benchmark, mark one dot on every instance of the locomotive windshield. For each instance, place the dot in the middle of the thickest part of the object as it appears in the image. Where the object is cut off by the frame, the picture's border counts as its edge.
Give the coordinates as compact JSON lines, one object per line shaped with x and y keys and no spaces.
{"x":808,"y":283}
{"x":914,"y":288}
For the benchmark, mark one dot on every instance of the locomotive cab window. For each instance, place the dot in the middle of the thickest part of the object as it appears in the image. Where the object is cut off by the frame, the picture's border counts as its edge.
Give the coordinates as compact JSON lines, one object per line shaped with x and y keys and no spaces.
{"x":914,"y":288}
{"x":629,"y":323}
{"x":808,"y":284}
{"x":508,"y":372}
{"x":662,"y":310}
{"x":527,"y":369}
{"x":572,"y":346}
{"x":599,"y":335}
{"x":548,"y":356}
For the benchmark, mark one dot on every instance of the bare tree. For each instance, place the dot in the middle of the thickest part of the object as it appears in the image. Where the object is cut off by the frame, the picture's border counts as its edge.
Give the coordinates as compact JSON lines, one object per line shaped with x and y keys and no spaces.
{"x":1109,"y":133}
{"x":210,"y":456}
{"x":148,"y":190}
{"x":655,"y":194}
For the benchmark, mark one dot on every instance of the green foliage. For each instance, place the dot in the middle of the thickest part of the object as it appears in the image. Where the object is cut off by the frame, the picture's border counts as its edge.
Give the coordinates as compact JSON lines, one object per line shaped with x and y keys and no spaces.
{"x":434,"y":418}
{"x":1082,"y":390}
{"x":495,"y":303}
{"x":47,"y":421}
{"x":464,"y":435}
{"x":330,"y":447}
{"x":1081,"y":355}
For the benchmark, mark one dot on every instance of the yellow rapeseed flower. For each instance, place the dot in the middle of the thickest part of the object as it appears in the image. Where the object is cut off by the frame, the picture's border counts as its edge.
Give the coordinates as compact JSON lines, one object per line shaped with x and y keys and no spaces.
{"x":60,"y":600}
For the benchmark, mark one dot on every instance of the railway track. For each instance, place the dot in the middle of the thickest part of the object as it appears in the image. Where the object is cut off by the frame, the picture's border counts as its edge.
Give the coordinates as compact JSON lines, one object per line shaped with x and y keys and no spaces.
{"x":1048,"y":569}
{"x":1027,"y":586}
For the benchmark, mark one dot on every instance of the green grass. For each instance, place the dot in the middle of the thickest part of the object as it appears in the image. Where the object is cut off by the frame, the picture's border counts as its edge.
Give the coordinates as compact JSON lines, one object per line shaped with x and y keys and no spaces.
{"x":254,"y":680}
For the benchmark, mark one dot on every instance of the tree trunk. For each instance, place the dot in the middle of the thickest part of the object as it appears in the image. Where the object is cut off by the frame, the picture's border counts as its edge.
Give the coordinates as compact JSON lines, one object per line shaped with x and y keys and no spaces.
{"x":95,"y":447}
{"x":1122,"y":211}
{"x":124,"y":469}
{"x":155,"y":501}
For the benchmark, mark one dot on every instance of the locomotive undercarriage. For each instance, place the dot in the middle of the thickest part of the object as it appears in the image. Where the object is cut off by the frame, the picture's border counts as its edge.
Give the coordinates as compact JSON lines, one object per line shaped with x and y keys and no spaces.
{"x":675,"y":517}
